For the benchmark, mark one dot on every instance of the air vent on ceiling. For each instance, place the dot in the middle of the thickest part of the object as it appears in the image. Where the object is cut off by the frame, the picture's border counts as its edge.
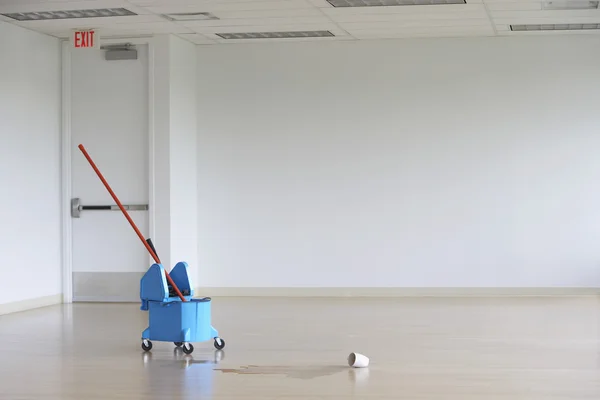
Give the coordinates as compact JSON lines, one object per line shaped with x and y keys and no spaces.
{"x":390,"y":3}
{"x":553,"y":27}
{"x":70,"y":14}
{"x":570,"y":5}
{"x":274,"y":35}
{"x":191,"y":16}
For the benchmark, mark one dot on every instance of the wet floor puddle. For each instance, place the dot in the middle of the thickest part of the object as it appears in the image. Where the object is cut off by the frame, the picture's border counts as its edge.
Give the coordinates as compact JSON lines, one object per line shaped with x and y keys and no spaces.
{"x":290,"y":372}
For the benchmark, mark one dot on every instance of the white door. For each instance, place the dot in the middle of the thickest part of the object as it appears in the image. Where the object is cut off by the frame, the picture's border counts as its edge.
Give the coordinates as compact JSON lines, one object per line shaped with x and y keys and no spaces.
{"x":109,"y":116}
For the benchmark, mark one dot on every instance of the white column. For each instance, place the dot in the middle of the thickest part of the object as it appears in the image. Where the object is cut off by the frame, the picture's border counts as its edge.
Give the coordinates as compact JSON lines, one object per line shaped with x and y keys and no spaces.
{"x":175,"y":155}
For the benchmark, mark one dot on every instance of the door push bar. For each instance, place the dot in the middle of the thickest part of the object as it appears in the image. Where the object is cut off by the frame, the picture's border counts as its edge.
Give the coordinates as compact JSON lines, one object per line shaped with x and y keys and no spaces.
{"x":77,"y":208}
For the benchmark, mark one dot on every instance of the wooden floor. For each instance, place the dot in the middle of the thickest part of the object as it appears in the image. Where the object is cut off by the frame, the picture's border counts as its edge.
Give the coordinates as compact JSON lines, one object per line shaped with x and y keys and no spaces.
{"x":420,"y":349}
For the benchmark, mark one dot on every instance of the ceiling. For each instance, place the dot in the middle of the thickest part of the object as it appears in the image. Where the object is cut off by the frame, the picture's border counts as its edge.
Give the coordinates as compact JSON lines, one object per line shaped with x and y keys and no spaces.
{"x":475,"y":18}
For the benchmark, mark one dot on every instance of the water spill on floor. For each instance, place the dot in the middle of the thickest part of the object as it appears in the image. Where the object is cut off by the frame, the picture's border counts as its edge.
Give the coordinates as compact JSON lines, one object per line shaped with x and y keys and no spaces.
{"x":296,"y":372}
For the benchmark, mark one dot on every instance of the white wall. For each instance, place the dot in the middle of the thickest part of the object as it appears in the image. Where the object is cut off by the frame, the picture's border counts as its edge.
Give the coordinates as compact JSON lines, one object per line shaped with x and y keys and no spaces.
{"x":30,"y":238}
{"x":175,"y":134}
{"x":417,"y":163}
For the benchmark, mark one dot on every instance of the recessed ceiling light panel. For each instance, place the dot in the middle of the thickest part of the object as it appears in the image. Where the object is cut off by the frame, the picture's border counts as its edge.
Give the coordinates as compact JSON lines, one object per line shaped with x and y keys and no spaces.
{"x":70,"y":14}
{"x":390,"y":3}
{"x":274,"y":35}
{"x":570,"y":5}
{"x":192,"y":16}
{"x":553,"y":27}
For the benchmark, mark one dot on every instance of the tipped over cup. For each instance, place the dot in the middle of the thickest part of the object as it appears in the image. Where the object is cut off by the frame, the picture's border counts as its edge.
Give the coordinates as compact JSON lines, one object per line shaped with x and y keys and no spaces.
{"x":357,"y":360}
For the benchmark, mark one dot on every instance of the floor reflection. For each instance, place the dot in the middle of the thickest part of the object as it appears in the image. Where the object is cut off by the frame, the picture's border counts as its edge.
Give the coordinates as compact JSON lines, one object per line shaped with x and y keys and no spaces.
{"x":193,"y":373}
{"x":297,"y":372}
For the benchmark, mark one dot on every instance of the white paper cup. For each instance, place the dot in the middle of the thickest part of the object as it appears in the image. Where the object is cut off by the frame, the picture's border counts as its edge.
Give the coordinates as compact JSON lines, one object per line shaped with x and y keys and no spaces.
{"x":358,"y":360}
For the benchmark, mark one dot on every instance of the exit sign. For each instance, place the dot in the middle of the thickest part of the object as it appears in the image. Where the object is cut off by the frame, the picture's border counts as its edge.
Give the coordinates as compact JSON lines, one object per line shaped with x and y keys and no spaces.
{"x":85,"y":39}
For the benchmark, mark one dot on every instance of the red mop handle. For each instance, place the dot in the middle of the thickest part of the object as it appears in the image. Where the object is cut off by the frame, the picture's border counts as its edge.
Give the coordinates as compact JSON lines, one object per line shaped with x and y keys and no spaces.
{"x":114,"y":196}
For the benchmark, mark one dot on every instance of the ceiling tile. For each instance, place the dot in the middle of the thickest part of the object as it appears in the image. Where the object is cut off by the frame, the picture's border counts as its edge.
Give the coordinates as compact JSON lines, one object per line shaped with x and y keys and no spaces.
{"x":225,"y":14}
{"x":125,"y":31}
{"x":515,"y":6}
{"x":196,"y":38}
{"x":214,"y":6}
{"x":414,"y":25}
{"x":420,"y":32}
{"x":256,"y":22}
{"x":294,"y":12}
{"x":86,"y":23}
{"x":479,"y":14}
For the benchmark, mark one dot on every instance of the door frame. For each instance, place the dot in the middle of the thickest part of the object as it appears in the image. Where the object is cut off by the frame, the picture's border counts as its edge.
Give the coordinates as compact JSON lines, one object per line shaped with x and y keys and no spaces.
{"x":66,"y":142}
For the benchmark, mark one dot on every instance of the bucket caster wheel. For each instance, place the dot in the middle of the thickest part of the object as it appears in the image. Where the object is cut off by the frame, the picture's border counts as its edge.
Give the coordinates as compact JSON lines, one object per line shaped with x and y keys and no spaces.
{"x":219,"y":343}
{"x":146,"y":345}
{"x":178,"y":344}
{"x":187,"y":348}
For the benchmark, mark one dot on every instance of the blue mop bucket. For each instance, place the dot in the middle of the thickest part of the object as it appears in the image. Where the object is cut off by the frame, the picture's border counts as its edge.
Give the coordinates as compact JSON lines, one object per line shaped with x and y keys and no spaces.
{"x":170,"y":319}
{"x":178,"y":321}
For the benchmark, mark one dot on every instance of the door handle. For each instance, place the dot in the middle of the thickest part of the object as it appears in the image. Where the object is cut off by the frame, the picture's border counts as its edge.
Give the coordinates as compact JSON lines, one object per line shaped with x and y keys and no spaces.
{"x":77,"y":207}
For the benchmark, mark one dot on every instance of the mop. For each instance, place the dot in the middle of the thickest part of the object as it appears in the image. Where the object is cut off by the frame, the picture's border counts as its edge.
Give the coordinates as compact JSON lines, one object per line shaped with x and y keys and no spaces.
{"x":147,"y":242}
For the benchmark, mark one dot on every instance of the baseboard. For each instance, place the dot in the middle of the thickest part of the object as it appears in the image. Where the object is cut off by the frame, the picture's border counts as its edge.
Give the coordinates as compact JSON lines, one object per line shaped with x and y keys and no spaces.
{"x":104,"y":299}
{"x":30,"y":304}
{"x":391,"y":292}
